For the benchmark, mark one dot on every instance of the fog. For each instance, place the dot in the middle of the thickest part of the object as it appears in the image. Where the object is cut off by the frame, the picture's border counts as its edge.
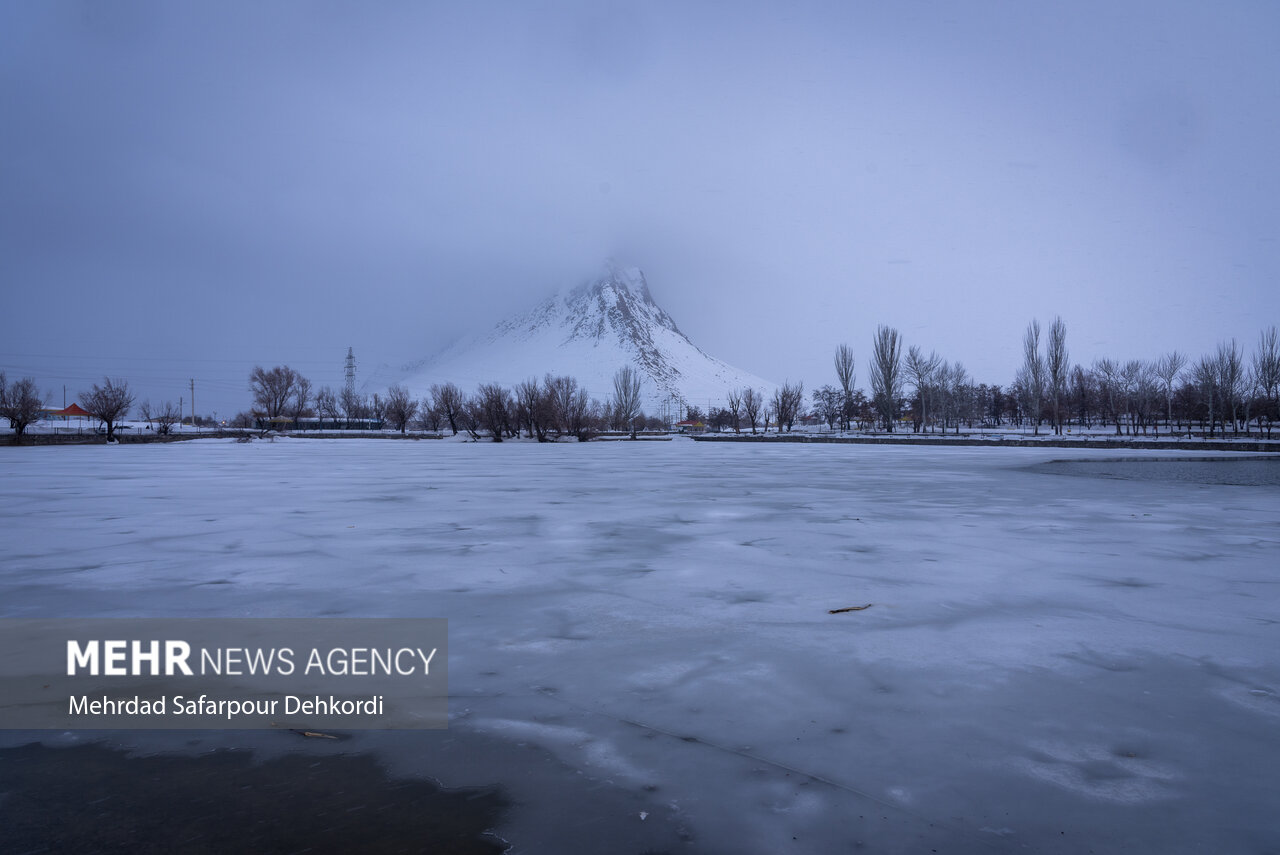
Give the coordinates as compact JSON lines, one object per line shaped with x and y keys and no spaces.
{"x":188,"y":192}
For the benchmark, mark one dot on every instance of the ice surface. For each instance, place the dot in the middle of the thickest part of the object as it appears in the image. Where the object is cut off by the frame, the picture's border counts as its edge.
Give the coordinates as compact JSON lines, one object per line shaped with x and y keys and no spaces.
{"x":1049,"y":663}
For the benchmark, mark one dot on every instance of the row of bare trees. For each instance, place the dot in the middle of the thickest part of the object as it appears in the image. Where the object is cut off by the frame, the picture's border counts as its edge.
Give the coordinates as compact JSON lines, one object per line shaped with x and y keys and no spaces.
{"x":1219,"y":392}
{"x":1224,"y":391}
{"x":847,"y":406}
{"x":749,"y":408}
{"x":22,"y":403}
{"x":544,"y":410}
{"x":283,"y":397}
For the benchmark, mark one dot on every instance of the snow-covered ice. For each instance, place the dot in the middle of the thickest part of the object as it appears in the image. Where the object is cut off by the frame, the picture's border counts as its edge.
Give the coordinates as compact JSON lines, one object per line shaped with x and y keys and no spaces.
{"x":1049,"y":663}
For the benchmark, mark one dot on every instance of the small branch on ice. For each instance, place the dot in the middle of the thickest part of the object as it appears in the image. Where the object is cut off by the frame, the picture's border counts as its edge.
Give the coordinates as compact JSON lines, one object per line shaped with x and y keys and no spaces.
{"x":849,"y":609}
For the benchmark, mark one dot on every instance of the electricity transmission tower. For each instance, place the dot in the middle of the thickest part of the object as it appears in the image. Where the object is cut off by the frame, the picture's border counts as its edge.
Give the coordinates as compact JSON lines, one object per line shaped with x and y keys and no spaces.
{"x":351,"y":372}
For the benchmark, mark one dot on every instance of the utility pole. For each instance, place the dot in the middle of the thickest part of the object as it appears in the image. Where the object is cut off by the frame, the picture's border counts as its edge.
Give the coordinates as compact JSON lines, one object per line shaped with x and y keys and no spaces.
{"x":181,"y":402}
{"x":193,"y":402}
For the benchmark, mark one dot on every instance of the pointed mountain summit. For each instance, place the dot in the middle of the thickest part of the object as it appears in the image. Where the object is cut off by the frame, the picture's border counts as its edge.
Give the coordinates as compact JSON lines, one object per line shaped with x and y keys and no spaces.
{"x":590,"y":332}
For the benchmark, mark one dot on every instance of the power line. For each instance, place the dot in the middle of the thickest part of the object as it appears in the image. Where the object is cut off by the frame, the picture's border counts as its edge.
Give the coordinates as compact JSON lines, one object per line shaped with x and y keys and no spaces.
{"x":98,"y":358}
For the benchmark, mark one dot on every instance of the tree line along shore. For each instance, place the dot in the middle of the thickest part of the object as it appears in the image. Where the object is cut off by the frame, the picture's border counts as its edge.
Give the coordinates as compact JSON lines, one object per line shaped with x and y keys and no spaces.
{"x":1223,"y":393}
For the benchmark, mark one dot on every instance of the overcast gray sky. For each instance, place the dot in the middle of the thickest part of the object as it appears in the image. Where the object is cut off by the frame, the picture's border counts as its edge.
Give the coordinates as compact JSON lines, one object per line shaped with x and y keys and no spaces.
{"x":187,"y":190}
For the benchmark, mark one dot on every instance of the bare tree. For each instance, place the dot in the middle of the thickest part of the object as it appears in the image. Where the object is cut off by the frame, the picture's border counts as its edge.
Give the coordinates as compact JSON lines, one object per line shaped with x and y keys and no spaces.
{"x":1084,"y":395}
{"x":1266,"y":374}
{"x":401,"y":407}
{"x":1016,"y":400}
{"x":719,"y":418}
{"x":326,"y":405}
{"x":377,"y":410}
{"x":752,"y":403}
{"x":1143,"y":391}
{"x":274,"y":391}
{"x":1204,"y":375}
{"x":543,"y":418}
{"x":847,"y":378}
{"x":1229,"y":362}
{"x":954,"y":381}
{"x":735,"y":409}
{"x":792,"y":399}
{"x":1167,"y":369}
{"x":796,"y":393}
{"x":430,"y":418}
{"x":921,"y":370}
{"x":108,"y":403}
{"x":574,"y":410}
{"x":1130,"y":374}
{"x":828,"y":405}
{"x":626,"y":396}
{"x":886,"y":374}
{"x":529,"y":408}
{"x":781,"y":406}
{"x":162,"y":419}
{"x":563,"y":399}
{"x":20,"y":403}
{"x":556,"y":394}
{"x":1057,"y":364}
{"x":591,"y":420}
{"x":448,"y":399}
{"x":493,"y":410}
{"x":1033,"y":374}
{"x":1109,"y":383}
{"x":297,"y":406}
{"x":355,"y":407}
{"x":471,"y":416}
{"x":166,"y":417}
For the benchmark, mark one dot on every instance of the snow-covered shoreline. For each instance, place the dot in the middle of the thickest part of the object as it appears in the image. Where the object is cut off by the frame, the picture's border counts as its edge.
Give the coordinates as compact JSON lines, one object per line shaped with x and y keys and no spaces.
{"x":1008,"y":439}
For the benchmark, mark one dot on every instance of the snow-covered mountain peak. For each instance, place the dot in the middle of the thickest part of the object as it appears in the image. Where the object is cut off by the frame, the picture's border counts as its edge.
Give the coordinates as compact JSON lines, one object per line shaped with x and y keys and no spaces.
{"x":590,"y":332}
{"x":626,"y":282}
{"x":619,"y":303}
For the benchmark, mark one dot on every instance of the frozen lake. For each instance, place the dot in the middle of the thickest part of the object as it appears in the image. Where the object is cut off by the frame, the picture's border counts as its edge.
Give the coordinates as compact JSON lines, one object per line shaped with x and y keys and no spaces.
{"x":1048,"y":663}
